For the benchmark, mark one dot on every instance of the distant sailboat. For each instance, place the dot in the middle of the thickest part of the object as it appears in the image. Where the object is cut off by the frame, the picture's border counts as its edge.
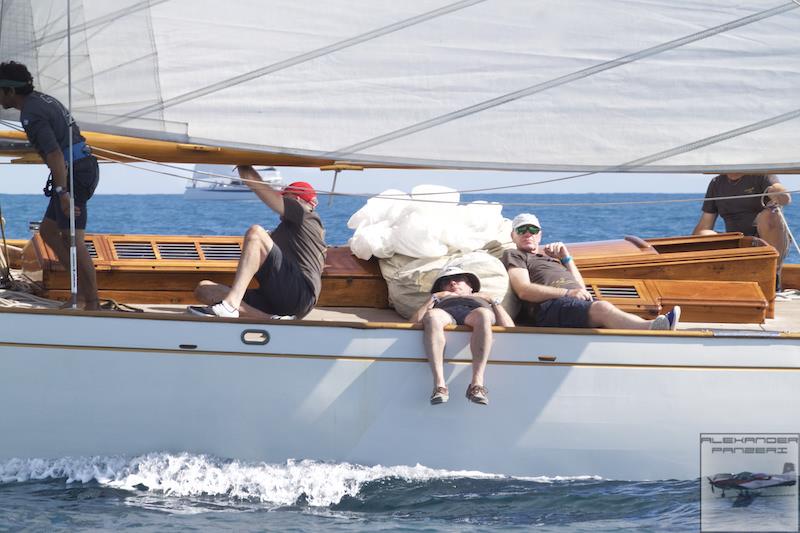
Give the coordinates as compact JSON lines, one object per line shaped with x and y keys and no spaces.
{"x":207,"y":185}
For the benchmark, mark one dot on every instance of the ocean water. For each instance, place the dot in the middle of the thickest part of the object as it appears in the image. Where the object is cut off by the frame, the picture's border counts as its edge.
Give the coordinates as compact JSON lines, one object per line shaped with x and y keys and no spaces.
{"x":564,"y":217}
{"x":173,"y":491}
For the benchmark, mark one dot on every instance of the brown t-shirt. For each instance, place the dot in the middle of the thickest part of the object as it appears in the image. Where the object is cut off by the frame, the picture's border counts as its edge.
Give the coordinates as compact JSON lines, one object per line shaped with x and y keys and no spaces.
{"x":301,"y":237}
{"x":739,"y":214}
{"x":542,"y":270}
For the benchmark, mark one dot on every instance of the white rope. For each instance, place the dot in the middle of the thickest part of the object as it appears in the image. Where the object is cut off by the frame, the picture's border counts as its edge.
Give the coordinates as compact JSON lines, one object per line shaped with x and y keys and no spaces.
{"x":23,"y":300}
{"x":788,"y":230}
{"x":788,"y":294}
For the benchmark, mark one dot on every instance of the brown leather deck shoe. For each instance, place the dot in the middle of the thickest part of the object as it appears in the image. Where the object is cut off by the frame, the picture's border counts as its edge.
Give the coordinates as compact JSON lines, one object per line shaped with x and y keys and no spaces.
{"x":440,"y":395}
{"x":478,"y":394}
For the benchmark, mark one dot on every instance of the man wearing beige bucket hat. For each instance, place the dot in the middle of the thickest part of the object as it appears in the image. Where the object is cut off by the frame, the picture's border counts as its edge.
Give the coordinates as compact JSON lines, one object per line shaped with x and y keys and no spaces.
{"x":456,"y":299}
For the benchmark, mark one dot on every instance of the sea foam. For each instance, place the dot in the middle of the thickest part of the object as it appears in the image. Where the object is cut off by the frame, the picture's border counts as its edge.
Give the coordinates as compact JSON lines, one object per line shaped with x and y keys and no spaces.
{"x":183,"y":474}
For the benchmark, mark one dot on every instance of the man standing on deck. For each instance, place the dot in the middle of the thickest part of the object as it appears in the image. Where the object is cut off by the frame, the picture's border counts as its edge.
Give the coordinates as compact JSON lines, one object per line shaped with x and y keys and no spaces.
{"x":287,"y":263}
{"x":552,"y":291}
{"x":47,"y":124}
{"x":756,"y":216}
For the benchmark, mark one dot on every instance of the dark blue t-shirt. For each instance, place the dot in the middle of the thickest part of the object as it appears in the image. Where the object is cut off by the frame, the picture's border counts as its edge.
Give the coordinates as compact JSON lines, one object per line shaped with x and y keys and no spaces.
{"x":46,"y":122}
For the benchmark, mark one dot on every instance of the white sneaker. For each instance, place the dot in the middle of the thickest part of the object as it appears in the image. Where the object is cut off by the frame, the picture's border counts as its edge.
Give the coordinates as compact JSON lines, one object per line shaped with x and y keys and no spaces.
{"x":220,"y":309}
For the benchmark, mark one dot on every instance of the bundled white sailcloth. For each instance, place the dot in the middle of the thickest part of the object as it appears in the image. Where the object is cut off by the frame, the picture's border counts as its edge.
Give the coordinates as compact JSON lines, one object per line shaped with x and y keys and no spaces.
{"x":411,"y":225}
{"x":678,"y":85}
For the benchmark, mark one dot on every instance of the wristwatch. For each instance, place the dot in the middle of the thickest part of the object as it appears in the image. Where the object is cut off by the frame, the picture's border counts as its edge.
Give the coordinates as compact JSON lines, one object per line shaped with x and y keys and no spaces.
{"x":59,"y":190}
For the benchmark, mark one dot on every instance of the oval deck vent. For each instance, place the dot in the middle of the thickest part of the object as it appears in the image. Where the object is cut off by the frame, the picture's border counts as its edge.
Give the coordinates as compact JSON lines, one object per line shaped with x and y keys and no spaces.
{"x":178,"y":250}
{"x":134,"y":250}
{"x":221,"y":252}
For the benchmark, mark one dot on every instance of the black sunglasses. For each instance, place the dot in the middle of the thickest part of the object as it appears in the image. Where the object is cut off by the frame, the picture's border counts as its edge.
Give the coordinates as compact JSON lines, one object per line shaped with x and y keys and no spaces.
{"x":529,"y":228}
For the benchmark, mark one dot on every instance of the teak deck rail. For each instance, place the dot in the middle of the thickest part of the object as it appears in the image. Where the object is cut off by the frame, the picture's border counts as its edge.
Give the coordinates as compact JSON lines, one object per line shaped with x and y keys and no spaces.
{"x":719,"y":278}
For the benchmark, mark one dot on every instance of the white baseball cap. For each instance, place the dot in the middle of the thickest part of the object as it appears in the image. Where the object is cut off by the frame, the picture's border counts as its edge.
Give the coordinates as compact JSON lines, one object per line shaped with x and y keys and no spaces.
{"x":524,"y":219}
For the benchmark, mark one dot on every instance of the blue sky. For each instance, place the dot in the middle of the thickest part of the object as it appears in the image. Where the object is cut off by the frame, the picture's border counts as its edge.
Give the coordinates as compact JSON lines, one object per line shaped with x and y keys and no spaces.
{"x":119,"y":179}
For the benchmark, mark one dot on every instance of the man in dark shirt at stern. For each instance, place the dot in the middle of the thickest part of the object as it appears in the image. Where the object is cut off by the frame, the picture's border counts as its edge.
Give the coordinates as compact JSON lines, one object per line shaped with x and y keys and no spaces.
{"x":48,"y":125}
{"x":756,"y":216}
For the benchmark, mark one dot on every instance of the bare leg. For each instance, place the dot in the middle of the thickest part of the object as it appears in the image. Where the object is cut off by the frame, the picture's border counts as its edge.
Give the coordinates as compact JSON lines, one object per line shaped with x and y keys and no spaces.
{"x":434,"y":322}
{"x":480,"y":342}
{"x":210,"y":292}
{"x":87,"y":277}
{"x":605,"y":315}
{"x":58,"y":241}
{"x":771,"y":229}
{"x":51,"y":236}
{"x":257,"y":246}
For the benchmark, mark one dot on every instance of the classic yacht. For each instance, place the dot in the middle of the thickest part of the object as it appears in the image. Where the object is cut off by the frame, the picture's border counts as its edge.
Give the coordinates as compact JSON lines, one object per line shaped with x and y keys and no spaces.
{"x":563,"y":87}
{"x":206,"y":183}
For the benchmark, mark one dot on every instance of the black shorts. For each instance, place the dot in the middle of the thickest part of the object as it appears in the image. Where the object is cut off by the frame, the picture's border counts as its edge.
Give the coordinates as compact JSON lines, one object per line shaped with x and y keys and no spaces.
{"x":283,"y":289}
{"x":458,"y":308}
{"x":86,"y":175}
{"x":563,"y":312}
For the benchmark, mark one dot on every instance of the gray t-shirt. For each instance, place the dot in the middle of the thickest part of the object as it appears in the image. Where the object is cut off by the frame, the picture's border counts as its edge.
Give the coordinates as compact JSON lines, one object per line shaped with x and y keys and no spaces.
{"x":739,"y":214}
{"x":301,"y":237}
{"x":542,"y":270}
{"x":46,"y":123}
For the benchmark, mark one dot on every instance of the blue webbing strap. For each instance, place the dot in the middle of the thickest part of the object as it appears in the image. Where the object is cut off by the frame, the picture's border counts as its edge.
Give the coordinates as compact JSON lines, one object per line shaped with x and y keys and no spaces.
{"x":79,"y":151}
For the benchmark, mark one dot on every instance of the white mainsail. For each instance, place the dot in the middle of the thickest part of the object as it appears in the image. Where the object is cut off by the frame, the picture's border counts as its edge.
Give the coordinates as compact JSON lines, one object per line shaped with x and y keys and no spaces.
{"x":621,"y":85}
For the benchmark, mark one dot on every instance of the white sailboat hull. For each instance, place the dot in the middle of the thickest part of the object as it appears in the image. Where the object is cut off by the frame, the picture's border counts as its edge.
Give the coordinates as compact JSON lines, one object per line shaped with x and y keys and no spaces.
{"x":611,"y":404}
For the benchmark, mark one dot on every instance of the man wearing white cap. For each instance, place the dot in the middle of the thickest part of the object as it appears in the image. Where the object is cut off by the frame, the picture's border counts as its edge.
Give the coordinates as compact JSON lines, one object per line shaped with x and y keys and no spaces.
{"x":552,"y":291}
{"x":456,"y":299}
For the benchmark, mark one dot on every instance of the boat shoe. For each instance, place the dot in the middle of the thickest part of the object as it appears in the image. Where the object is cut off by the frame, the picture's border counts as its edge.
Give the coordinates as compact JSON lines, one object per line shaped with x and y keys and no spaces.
{"x":440,"y":395}
{"x":478,"y":394}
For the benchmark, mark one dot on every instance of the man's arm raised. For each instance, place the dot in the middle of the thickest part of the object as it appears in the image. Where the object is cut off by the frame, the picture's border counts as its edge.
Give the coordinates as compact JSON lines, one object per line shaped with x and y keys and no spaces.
{"x":268,"y":195}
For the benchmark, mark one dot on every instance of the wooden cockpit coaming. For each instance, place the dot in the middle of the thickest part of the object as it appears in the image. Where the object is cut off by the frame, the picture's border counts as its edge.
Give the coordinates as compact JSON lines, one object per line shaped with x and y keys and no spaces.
{"x":726,"y":277}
